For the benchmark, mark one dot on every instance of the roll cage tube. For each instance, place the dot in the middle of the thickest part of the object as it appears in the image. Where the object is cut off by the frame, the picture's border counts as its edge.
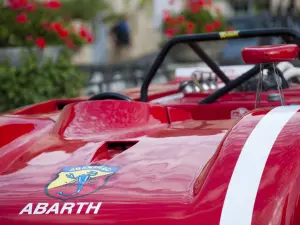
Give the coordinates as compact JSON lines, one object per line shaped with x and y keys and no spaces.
{"x":287,"y":34}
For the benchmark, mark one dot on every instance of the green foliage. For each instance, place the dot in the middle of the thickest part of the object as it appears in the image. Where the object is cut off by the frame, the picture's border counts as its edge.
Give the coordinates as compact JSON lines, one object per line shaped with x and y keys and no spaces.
{"x":35,"y":82}
{"x":22,"y":27}
{"x":262,"y":5}
{"x":84,"y":9}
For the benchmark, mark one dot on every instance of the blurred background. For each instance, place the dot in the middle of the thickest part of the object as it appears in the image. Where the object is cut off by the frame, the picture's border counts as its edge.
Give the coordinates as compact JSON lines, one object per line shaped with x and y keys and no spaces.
{"x":72,"y":48}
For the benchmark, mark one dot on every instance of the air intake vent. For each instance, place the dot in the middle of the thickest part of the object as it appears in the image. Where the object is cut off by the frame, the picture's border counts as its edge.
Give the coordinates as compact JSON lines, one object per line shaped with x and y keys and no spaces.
{"x":111,"y":149}
{"x":119,"y":145}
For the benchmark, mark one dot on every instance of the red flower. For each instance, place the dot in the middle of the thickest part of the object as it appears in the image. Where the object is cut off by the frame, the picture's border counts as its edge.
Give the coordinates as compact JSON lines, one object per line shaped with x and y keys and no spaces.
{"x":190,"y":28}
{"x":29,"y":38}
{"x":21,"y":18}
{"x":83,"y":32}
{"x":52,"y":27}
{"x":69,"y":43}
{"x":17,"y":4}
{"x":30,"y":8}
{"x":52,"y":4}
{"x":195,"y":5}
{"x":195,"y":8}
{"x":202,"y":2}
{"x":45,"y":25}
{"x":169,"y":32}
{"x":169,"y":20}
{"x":63,"y":33}
{"x":40,"y":42}
{"x":217,"y":24}
{"x":190,"y":25}
{"x":90,"y":38}
{"x":209,"y":2}
{"x":209,"y":28}
{"x":180,"y":19}
{"x":57,"y":27}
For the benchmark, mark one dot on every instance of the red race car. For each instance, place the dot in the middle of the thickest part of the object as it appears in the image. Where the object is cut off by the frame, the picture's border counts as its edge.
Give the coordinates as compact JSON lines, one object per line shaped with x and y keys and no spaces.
{"x":174,"y":154}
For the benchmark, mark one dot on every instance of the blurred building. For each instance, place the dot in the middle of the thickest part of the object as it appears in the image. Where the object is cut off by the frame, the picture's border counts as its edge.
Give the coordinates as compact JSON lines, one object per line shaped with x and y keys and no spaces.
{"x":145,"y":36}
{"x":145,"y":26}
{"x":285,"y":7}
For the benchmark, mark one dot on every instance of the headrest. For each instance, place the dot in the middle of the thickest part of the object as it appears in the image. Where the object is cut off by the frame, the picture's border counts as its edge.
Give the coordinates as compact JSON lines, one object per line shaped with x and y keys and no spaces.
{"x":270,"y":53}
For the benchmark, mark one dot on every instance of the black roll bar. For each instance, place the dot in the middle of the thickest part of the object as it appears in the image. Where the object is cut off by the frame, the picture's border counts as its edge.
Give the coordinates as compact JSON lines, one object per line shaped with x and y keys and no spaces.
{"x":288,"y":34}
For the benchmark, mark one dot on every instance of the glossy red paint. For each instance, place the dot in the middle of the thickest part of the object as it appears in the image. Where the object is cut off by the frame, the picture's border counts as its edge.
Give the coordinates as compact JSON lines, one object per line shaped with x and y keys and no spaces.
{"x":279,"y":188}
{"x":270,"y":53}
{"x":157,"y":175}
{"x":278,"y":194}
{"x":175,"y":169}
{"x":106,"y":119}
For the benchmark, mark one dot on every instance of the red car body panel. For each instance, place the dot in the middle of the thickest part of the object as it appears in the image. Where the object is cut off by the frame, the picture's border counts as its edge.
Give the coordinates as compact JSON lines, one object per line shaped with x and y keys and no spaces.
{"x":176,"y":169}
{"x":160,"y":169}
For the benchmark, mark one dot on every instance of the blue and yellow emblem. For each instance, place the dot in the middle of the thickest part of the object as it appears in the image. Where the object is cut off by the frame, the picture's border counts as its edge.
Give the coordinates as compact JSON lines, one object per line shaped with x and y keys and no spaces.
{"x":79,"y":181}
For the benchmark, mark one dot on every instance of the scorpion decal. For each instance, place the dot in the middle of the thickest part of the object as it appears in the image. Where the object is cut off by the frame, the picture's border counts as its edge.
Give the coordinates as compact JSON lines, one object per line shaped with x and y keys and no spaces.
{"x":81,"y":180}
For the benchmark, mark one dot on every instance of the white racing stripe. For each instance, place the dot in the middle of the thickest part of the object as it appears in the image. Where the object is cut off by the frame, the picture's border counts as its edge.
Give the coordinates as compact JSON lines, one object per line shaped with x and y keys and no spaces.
{"x":242,"y":190}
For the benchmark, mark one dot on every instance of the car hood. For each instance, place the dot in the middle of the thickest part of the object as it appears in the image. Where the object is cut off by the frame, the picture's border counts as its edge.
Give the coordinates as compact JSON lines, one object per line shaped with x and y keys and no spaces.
{"x":132,"y":165}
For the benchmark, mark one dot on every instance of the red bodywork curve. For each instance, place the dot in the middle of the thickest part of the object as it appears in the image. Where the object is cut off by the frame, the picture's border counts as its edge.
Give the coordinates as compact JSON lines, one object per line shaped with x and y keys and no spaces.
{"x":270,"y":53}
{"x":175,"y":169}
